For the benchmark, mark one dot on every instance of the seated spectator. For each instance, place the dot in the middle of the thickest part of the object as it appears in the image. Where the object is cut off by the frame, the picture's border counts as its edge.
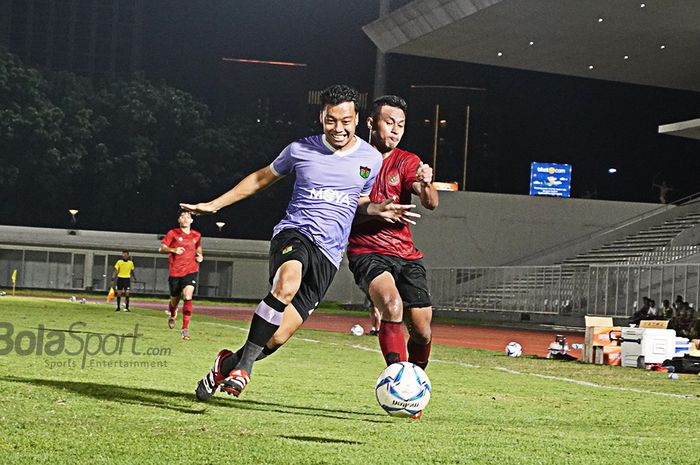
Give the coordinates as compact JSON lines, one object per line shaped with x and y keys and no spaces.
{"x":640,"y":314}
{"x":666,"y":311}
{"x":681,"y":323}
{"x":678,"y":304}
{"x":653,"y":312}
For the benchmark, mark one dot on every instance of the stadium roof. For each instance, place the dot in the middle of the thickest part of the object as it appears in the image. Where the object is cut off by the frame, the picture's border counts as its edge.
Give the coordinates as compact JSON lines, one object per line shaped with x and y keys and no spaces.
{"x":689,"y":129}
{"x":654,"y":42}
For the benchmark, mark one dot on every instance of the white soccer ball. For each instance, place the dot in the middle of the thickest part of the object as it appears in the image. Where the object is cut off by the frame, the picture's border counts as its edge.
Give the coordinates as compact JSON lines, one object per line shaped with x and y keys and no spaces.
{"x":513,"y":349}
{"x":357,"y":330}
{"x":403,"y":389}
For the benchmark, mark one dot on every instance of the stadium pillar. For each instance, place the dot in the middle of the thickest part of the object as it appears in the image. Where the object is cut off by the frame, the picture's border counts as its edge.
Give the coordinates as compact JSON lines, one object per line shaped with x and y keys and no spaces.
{"x":380,"y":62}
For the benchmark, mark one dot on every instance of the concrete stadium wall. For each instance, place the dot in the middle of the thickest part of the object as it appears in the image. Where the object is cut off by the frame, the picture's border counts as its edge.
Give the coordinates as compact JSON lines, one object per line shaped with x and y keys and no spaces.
{"x":468,"y":229}
{"x":481,"y":229}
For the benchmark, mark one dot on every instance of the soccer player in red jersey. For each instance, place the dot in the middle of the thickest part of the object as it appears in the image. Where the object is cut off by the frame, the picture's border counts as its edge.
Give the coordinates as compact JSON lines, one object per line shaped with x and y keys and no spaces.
{"x":184,"y":248}
{"x":382,"y":256}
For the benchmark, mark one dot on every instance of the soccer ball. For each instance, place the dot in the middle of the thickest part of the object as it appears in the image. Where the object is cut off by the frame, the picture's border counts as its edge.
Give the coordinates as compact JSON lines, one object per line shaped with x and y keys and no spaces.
{"x":513,"y":349}
{"x":403,"y":389}
{"x":357,"y":330}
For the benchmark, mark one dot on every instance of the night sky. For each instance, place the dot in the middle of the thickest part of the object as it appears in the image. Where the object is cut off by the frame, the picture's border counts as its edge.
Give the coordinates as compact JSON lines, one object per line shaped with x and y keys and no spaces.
{"x":520,"y":117}
{"x":525,"y":117}
{"x":185,"y":40}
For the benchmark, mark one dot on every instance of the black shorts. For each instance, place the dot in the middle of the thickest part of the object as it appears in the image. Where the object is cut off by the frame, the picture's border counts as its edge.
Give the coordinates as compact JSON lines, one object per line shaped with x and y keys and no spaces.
{"x":179,"y":283}
{"x":409,"y":275}
{"x":123,"y":284}
{"x":317,"y":270}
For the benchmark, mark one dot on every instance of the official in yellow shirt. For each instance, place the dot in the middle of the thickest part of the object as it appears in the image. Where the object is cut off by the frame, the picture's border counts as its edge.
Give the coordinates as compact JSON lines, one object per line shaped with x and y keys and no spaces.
{"x":123,"y":272}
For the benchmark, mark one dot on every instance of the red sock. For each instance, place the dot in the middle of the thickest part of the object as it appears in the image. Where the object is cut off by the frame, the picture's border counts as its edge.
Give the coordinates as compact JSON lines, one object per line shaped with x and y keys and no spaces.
{"x":173,"y":309}
{"x":418,"y":353}
{"x":186,"y":313}
{"x":392,"y":342}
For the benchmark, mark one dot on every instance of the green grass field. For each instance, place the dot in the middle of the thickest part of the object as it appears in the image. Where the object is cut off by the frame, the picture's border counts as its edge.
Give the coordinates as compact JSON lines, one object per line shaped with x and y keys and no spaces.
{"x":313,"y":401}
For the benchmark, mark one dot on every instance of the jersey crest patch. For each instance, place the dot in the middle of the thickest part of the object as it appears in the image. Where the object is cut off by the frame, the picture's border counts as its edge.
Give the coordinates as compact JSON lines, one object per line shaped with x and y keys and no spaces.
{"x":364,"y":172}
{"x":394,"y":179}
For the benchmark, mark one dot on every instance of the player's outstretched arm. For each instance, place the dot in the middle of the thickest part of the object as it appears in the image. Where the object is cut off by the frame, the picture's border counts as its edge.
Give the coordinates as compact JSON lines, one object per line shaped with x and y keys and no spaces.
{"x":424,"y":188}
{"x":251,"y":184}
{"x":390,"y":211}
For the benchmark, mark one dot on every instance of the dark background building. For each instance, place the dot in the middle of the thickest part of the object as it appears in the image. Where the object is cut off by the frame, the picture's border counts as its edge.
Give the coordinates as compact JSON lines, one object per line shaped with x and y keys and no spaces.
{"x":94,"y":38}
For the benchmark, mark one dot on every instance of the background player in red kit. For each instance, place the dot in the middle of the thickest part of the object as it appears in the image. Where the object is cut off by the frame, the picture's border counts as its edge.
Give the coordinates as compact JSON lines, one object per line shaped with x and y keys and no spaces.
{"x":184,"y":247}
{"x":382,"y":256}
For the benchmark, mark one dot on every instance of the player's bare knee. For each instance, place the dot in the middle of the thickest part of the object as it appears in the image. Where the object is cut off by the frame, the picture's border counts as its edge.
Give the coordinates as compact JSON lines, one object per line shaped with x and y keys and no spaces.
{"x":422,"y":336}
{"x":392,"y":309}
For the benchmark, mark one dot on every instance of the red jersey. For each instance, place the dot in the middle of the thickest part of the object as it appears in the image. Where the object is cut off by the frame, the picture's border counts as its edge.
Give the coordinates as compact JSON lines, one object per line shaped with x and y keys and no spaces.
{"x":182,"y":265}
{"x":395,"y":178}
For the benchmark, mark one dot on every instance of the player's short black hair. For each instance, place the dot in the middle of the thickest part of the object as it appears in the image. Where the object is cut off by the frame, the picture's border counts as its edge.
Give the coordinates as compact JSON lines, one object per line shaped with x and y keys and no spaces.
{"x":389,"y":100}
{"x":181,"y":211}
{"x":125,"y":251}
{"x":340,"y":93}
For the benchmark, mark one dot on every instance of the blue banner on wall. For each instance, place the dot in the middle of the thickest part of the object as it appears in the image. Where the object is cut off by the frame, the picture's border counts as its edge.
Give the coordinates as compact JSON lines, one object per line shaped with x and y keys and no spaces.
{"x":550,"y":179}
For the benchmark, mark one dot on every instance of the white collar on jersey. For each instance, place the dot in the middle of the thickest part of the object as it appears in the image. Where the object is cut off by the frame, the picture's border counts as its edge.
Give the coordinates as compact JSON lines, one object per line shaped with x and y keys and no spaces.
{"x":341,"y":153}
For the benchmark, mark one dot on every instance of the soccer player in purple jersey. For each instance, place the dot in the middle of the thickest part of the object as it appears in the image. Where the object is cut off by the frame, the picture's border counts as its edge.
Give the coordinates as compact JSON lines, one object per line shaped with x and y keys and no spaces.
{"x":334,"y":172}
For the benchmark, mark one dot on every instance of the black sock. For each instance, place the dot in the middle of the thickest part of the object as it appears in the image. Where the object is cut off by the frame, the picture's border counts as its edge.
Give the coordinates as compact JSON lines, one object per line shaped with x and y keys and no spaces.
{"x":266,"y":320}
{"x":119,"y":300}
{"x":230,"y":363}
{"x":127,"y":301}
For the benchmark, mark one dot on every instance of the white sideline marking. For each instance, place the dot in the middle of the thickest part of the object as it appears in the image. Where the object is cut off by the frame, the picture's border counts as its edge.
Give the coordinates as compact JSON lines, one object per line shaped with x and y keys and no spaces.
{"x":355,"y":346}
{"x":432,"y":360}
{"x":595,"y":385}
{"x":459,"y":364}
{"x":501,"y":369}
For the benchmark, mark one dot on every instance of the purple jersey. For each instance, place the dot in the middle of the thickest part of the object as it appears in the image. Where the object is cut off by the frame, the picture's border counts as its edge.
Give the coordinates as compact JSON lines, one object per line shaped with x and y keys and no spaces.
{"x":326,"y":189}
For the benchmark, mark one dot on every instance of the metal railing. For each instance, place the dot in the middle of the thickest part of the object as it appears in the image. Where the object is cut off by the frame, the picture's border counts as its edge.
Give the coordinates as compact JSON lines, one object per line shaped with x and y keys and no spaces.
{"x":613,"y":290}
{"x":666,"y":254}
{"x":93,"y":270}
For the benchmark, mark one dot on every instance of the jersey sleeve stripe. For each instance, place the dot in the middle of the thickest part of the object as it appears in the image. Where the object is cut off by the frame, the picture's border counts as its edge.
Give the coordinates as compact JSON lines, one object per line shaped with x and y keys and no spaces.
{"x":274,"y":171}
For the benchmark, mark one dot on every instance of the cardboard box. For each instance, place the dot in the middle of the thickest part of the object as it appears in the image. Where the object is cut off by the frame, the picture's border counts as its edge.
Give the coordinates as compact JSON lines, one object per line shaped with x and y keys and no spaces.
{"x":659,"y":324}
{"x":598,"y":321}
{"x":599,"y":330}
{"x":612,"y":355}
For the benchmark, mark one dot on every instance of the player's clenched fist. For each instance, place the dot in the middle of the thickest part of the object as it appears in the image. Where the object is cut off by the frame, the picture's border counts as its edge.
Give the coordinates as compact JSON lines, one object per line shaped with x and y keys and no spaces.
{"x":424,"y":173}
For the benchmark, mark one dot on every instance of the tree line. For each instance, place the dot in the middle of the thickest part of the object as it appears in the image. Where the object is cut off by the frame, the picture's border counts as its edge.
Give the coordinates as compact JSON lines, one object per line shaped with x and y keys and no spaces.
{"x":123,"y":152}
